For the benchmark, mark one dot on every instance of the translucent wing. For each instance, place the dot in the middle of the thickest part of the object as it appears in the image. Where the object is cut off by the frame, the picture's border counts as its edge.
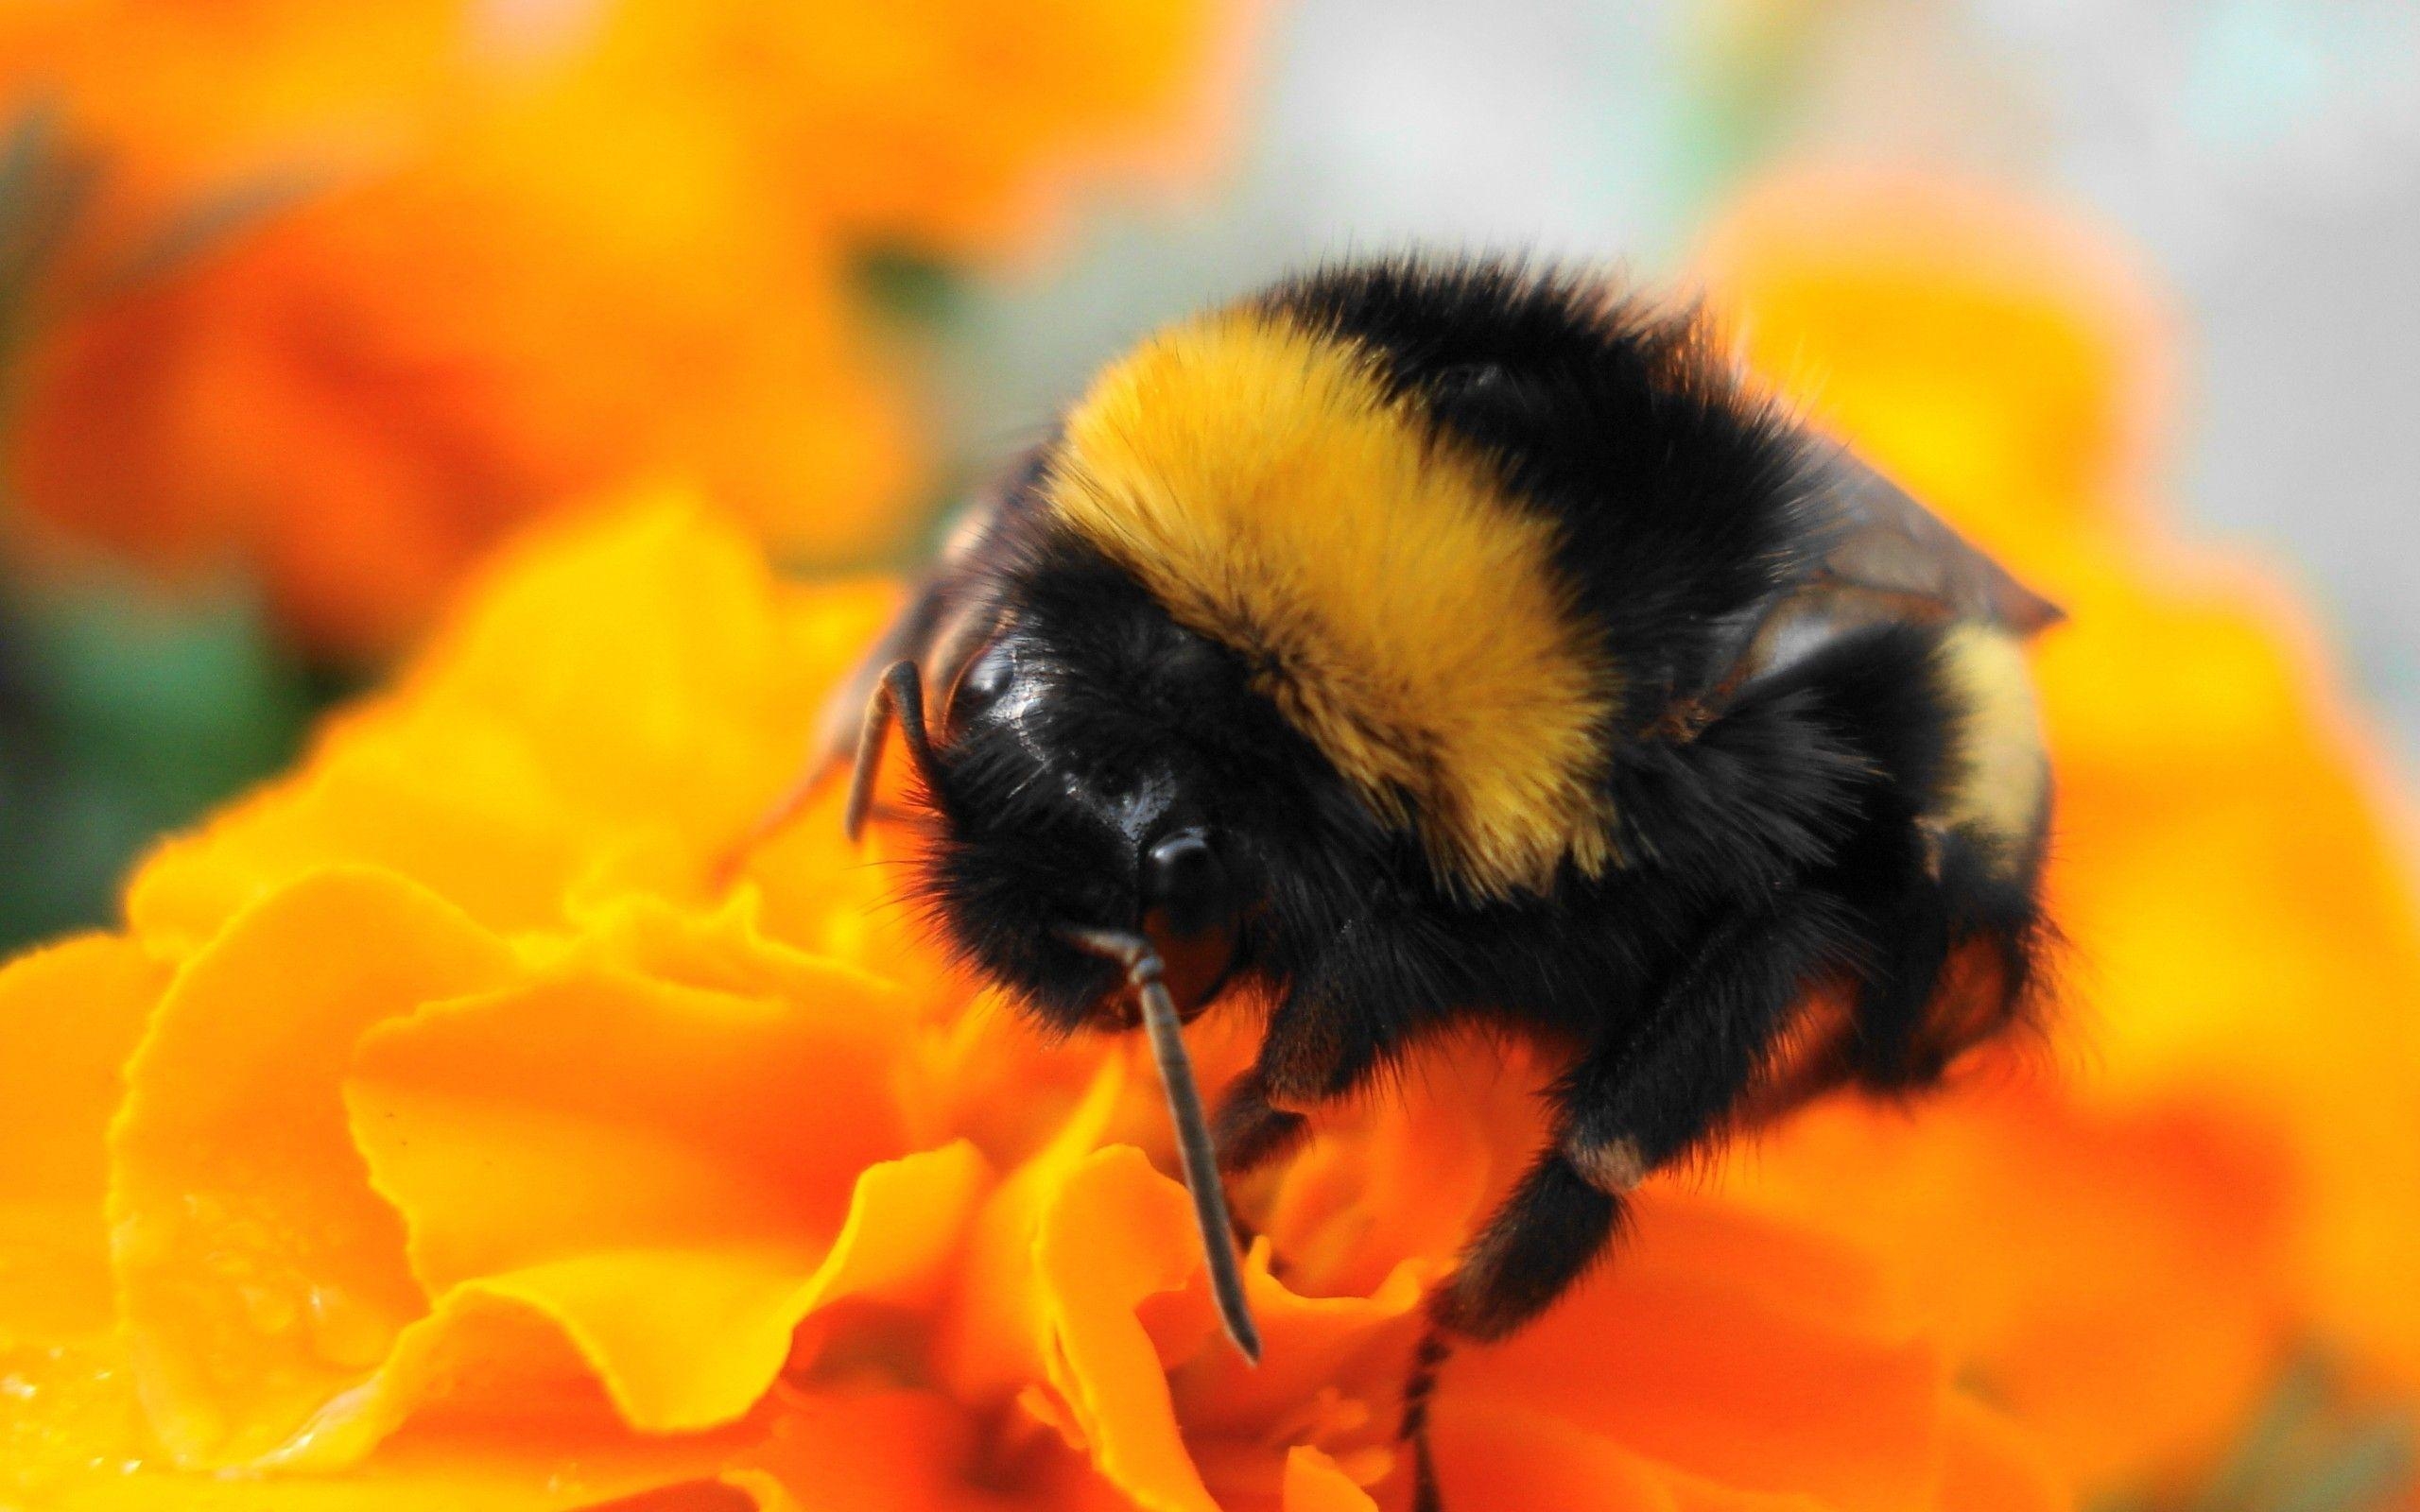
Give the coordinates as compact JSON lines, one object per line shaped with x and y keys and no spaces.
{"x":1891,"y":560}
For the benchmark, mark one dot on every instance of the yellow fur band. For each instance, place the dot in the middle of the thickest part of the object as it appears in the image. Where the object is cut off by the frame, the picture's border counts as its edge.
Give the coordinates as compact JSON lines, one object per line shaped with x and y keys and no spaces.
{"x":1401,"y":610}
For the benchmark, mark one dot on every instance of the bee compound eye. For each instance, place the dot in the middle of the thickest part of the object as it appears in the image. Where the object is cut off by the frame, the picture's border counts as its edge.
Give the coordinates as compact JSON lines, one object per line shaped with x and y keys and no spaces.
{"x":984,"y":683}
{"x":1184,"y":878}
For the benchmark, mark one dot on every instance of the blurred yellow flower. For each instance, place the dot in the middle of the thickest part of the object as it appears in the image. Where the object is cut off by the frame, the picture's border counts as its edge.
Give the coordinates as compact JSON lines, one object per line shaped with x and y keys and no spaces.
{"x":464,"y":1147}
{"x":2225,"y":1162}
{"x":956,"y":126}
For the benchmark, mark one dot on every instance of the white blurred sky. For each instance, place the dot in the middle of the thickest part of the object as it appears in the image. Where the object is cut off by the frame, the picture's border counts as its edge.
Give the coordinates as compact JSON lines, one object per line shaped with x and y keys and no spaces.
{"x":2263,"y":154}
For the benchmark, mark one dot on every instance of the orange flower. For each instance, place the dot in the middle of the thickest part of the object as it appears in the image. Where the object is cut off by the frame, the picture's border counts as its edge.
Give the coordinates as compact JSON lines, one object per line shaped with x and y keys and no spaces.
{"x":2225,"y":1160}
{"x":184,"y":96}
{"x":512,"y":271}
{"x":464,"y":1149}
{"x":363,"y":390}
{"x":958,"y":126}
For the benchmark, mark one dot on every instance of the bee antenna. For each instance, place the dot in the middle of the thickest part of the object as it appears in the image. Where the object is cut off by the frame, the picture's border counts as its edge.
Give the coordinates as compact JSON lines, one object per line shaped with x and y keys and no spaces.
{"x":1199,"y":1155}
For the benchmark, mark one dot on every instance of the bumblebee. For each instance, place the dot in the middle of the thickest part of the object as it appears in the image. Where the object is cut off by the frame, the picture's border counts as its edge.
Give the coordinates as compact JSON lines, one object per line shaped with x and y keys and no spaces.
{"x":1425,"y":643}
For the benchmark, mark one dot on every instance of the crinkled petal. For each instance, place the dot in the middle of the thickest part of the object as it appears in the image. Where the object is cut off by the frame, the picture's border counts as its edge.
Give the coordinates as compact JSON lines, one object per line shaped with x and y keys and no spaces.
{"x":1407,"y":1174}
{"x":661,"y":1168}
{"x":630,"y":681}
{"x":454,"y":803}
{"x":69,"y":1016}
{"x":258,"y":1271}
{"x":992,"y":1336}
{"x":1116,"y":1233}
{"x":914,"y":1450}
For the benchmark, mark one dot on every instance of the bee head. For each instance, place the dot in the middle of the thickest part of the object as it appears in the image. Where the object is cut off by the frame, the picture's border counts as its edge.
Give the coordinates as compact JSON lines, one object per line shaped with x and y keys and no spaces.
{"x":1074,"y":795}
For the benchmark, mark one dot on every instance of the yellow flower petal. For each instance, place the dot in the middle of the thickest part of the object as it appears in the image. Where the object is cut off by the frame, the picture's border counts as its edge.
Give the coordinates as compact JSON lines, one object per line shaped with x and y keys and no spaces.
{"x":631,"y":680}
{"x":69,"y":1016}
{"x":74,"y":1439}
{"x":257,"y":1272}
{"x":996,"y":1333}
{"x":661,"y":1168}
{"x":2000,"y":360}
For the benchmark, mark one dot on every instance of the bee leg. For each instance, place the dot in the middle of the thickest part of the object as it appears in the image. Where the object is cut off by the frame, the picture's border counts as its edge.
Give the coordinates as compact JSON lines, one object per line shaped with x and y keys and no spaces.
{"x":1641,"y":1099}
{"x":1427,"y":1359}
{"x":897,"y":697}
{"x":1251,"y":1129}
{"x":1958,"y":957}
{"x":1887,"y":1048}
{"x":1318,"y":1048}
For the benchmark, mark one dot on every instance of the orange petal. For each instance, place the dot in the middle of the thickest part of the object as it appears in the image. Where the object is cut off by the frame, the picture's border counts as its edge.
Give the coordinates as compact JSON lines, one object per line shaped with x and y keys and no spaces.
{"x":2119,"y":1277}
{"x":69,"y":1016}
{"x":1508,"y":1458}
{"x":1117,"y":1231}
{"x":1313,"y":1484}
{"x":1309,"y":1344}
{"x":733,"y":1131}
{"x":629,"y":681}
{"x":258,"y":1273}
{"x":994,"y":1335}
{"x":913,"y":1451}
{"x":1737,"y":1349}
{"x":450,"y":803}
{"x":525,"y":1347}
{"x":1407,"y":1174}
{"x":1989,"y":1464}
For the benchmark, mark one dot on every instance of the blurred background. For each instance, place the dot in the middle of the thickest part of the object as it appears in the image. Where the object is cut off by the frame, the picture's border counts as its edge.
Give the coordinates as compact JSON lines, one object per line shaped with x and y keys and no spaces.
{"x":303,"y":310}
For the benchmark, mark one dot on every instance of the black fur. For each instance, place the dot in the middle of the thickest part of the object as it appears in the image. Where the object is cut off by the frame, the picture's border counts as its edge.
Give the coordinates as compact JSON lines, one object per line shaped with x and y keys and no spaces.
{"x":1774,"y":845}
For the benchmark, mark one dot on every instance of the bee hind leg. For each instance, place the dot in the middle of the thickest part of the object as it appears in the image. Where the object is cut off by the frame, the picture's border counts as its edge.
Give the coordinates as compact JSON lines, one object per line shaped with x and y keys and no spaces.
{"x":1651,"y":1091}
{"x":1958,"y":962}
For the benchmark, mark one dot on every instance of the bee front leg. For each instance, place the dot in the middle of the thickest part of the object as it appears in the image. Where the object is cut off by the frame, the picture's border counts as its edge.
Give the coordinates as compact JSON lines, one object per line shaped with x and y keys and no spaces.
{"x":1321,"y":1044}
{"x":1638,"y":1101}
{"x":1251,"y":1129}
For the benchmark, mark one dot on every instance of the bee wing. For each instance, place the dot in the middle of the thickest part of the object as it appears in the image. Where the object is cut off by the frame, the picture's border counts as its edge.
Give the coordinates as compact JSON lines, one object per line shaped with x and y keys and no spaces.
{"x":940,"y":628}
{"x":1891,"y":560}
{"x":1891,"y":545}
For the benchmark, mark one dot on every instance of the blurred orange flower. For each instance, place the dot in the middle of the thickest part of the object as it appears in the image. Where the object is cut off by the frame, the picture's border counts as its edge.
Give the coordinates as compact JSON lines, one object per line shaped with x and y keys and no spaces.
{"x":365,"y":389}
{"x":2223,"y":1164}
{"x":501,"y":268}
{"x":437,"y":1136}
{"x":184,"y":96}
{"x":956,"y":126}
